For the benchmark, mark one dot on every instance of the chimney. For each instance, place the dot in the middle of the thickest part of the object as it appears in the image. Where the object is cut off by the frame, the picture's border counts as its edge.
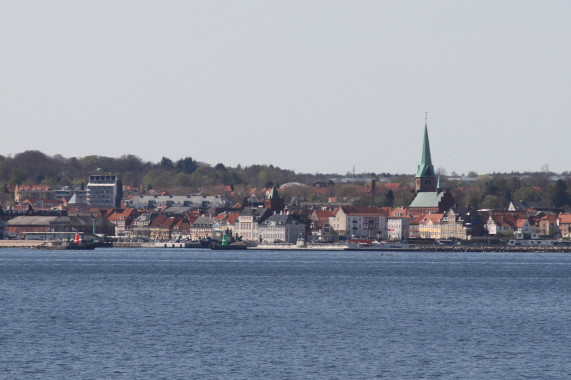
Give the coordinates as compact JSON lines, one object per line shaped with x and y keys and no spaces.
{"x":373,"y":187}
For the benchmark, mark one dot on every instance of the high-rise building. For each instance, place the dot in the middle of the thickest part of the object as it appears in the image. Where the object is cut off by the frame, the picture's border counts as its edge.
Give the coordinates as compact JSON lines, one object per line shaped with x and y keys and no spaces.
{"x":103,"y":191}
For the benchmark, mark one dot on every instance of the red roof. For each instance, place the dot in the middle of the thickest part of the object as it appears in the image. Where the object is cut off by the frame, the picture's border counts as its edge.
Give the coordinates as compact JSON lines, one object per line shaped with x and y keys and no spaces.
{"x":417,"y":219}
{"x":508,"y":218}
{"x":565,"y":218}
{"x":192,"y":218}
{"x":324,"y":214}
{"x":392,"y":186}
{"x":121,"y":215}
{"x":233,"y":217}
{"x":363,"y":211}
{"x":434,"y":218}
{"x":163,"y":221}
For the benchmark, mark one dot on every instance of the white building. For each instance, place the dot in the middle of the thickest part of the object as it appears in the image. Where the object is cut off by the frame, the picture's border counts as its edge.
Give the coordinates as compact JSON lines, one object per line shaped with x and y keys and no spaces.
{"x":281,"y":228}
{"x":193,"y":201}
{"x":360,"y":222}
{"x":249,"y":221}
{"x":102,"y":191}
{"x":397,"y":227}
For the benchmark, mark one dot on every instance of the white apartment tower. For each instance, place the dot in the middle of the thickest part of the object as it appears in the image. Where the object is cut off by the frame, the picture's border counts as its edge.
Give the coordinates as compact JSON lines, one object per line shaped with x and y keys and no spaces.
{"x":102,"y":191}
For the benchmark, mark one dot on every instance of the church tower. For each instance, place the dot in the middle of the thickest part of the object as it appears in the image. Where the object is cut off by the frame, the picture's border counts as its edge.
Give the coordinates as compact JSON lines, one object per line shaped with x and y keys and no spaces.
{"x":273,"y":200}
{"x":430,"y":197}
{"x":425,"y":175}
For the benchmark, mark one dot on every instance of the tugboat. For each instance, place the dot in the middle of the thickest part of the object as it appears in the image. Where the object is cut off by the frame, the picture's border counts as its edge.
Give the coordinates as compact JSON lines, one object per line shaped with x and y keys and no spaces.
{"x":76,"y":244}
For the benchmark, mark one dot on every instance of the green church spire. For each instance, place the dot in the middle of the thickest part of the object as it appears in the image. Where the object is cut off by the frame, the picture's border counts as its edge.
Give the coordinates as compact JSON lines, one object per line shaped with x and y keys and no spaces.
{"x":425,"y":169}
{"x":273,"y":193}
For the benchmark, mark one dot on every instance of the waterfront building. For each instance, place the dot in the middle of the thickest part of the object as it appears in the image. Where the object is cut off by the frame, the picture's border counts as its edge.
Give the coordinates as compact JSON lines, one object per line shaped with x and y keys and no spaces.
{"x":426,"y":226}
{"x":524,"y":230}
{"x":161,"y":227}
{"x":248,"y":222}
{"x":203,"y":227}
{"x":226,"y":222}
{"x":497,"y":224}
{"x":548,"y":225}
{"x":139,"y":228}
{"x":461,"y":223}
{"x":360,"y":222}
{"x":398,"y":227}
{"x":281,"y":228}
{"x":321,"y":230}
{"x":503,"y":222}
{"x":564,"y":225}
{"x":20,"y":225}
{"x":181,"y":230}
{"x":398,"y":221}
{"x":121,"y":219}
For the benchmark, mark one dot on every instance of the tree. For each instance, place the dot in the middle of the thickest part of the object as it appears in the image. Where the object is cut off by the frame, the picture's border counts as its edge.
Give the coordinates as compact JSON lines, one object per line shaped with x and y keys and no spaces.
{"x":472,"y":198}
{"x":18,"y":177}
{"x":493,"y":202}
{"x":472,"y":174}
{"x":403,"y":198}
{"x":441,"y":172}
{"x":556,"y":194}
{"x":186,"y":165}
{"x":390,"y":198}
{"x":160,"y":178}
{"x":525,"y":194}
{"x":166,"y":163}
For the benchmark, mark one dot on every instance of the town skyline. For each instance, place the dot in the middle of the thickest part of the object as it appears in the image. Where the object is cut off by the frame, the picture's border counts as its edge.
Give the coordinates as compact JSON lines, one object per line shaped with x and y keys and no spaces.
{"x":321,"y":87}
{"x":440,"y":171}
{"x":338,"y":212}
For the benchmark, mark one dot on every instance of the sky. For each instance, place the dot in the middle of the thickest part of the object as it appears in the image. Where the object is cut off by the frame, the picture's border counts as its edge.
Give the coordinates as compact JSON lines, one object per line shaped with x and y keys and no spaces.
{"x":315,"y":86}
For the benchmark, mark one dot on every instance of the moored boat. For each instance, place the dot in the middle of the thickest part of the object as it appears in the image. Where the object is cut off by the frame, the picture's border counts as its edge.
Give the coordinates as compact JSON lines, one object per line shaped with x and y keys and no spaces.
{"x":65,"y":245}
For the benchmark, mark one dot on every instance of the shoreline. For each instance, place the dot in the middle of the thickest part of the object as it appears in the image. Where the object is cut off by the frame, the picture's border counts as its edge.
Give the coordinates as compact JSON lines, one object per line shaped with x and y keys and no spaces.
{"x":35,"y":244}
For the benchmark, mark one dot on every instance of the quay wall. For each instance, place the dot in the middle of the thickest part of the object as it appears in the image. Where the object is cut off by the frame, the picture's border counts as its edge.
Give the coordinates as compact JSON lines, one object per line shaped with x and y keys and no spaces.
{"x":127,"y":244}
{"x":21,"y":243}
{"x":471,"y":248}
{"x":419,"y":248}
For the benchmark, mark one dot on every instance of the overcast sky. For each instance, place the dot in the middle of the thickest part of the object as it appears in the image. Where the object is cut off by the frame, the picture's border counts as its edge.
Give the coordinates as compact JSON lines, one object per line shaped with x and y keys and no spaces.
{"x":312,"y":86}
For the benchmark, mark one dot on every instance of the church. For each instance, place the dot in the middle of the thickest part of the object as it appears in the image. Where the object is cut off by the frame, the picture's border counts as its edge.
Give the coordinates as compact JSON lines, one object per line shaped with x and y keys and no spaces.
{"x":430,"y":198}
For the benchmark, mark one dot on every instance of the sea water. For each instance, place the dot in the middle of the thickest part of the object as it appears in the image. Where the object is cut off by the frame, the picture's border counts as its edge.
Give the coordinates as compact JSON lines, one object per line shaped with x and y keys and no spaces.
{"x":201,"y":314}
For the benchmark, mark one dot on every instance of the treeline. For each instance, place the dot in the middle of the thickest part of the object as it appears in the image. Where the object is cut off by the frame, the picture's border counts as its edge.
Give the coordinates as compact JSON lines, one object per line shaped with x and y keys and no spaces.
{"x":496,"y":191}
{"x":34,"y":167}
